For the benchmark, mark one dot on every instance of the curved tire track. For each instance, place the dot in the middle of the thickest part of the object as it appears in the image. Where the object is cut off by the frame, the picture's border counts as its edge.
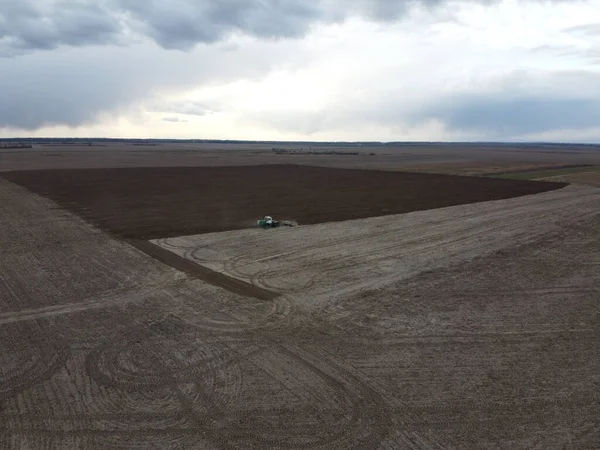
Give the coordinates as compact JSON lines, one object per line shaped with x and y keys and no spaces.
{"x":167,"y":353}
{"x":350,"y":414}
{"x":26,"y":361}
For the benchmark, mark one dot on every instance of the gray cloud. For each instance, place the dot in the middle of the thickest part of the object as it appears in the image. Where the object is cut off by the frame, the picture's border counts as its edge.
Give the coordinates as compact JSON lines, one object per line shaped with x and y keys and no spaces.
{"x":73,"y":86}
{"x":174,"y":120}
{"x":59,"y":89}
{"x":183,"y":23}
{"x":48,"y":24}
{"x":380,"y":10}
{"x":177,"y":24}
{"x":518,"y":103}
{"x":490,"y":117}
{"x":498,"y":117}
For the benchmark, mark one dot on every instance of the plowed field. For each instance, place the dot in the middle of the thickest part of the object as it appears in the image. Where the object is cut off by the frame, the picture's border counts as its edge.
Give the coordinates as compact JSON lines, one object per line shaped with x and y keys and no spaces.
{"x":164,"y":202}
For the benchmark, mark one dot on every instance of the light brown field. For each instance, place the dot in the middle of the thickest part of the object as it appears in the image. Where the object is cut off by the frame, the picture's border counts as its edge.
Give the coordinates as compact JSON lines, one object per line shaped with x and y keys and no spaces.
{"x":591,"y":178}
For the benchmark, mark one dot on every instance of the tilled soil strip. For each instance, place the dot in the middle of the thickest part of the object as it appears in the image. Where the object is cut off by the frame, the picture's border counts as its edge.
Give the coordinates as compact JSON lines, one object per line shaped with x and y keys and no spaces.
{"x":202,"y":273}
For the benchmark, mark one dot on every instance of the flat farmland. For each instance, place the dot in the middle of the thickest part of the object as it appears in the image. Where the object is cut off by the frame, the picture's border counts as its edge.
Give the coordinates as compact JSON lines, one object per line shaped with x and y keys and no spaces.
{"x":163,"y":202}
{"x":470,"y":325}
{"x":352,"y":256}
{"x":455,"y":159}
{"x":475,"y":323}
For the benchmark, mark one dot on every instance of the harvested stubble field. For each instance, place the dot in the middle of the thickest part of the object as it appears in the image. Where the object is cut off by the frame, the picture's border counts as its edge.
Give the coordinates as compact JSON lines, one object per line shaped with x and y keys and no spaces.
{"x":470,"y":326}
{"x":164,"y":202}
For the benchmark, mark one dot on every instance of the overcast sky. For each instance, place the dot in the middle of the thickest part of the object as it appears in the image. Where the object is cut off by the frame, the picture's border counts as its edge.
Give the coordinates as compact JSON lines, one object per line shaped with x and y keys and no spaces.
{"x":383,"y":70}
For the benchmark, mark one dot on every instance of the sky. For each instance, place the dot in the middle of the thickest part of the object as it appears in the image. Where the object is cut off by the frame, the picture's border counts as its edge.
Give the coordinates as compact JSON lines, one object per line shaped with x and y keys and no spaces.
{"x":321,"y":70}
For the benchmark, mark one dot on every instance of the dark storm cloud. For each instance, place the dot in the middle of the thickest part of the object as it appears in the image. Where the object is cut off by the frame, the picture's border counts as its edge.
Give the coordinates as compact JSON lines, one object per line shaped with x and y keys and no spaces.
{"x":177,"y":24}
{"x":26,"y":25}
{"x":184,"y":23}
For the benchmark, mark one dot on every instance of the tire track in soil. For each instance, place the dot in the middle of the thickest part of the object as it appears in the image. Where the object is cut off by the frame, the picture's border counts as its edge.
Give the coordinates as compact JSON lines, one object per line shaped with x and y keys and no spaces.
{"x":277,"y":313}
{"x":135,"y":360}
{"x":364,"y":424}
{"x":357,"y":318}
{"x":363,"y":417}
{"x":208,"y":403}
{"x":72,"y":308}
{"x":260,"y":279}
{"x":180,"y":429}
{"x":30,"y":355}
{"x":232,"y":267}
{"x":188,"y":252}
{"x":201,"y":373}
{"x":203,"y":273}
{"x":199,"y":396}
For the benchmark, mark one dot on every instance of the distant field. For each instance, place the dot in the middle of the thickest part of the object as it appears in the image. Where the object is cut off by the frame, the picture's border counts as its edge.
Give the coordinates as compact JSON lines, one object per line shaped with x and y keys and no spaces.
{"x":453,"y":159}
{"x":546,"y":172}
{"x":164,"y":202}
{"x":591,"y":177}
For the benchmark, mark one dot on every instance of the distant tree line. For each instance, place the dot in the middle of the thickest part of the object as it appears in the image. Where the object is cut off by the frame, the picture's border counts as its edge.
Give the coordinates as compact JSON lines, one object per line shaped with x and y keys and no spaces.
{"x":284,"y":151}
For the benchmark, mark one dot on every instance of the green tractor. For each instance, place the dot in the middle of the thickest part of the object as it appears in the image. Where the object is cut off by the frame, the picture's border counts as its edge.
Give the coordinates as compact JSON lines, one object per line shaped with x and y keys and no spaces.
{"x":267,"y":222}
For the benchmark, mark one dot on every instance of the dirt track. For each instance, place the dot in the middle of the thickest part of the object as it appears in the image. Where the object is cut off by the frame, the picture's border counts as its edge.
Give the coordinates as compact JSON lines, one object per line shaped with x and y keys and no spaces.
{"x":165,"y":202}
{"x":462,"y":340}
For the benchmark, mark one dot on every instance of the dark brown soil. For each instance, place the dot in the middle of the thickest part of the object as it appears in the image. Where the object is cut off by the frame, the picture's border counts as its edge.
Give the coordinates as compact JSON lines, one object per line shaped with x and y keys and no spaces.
{"x":149,"y":203}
